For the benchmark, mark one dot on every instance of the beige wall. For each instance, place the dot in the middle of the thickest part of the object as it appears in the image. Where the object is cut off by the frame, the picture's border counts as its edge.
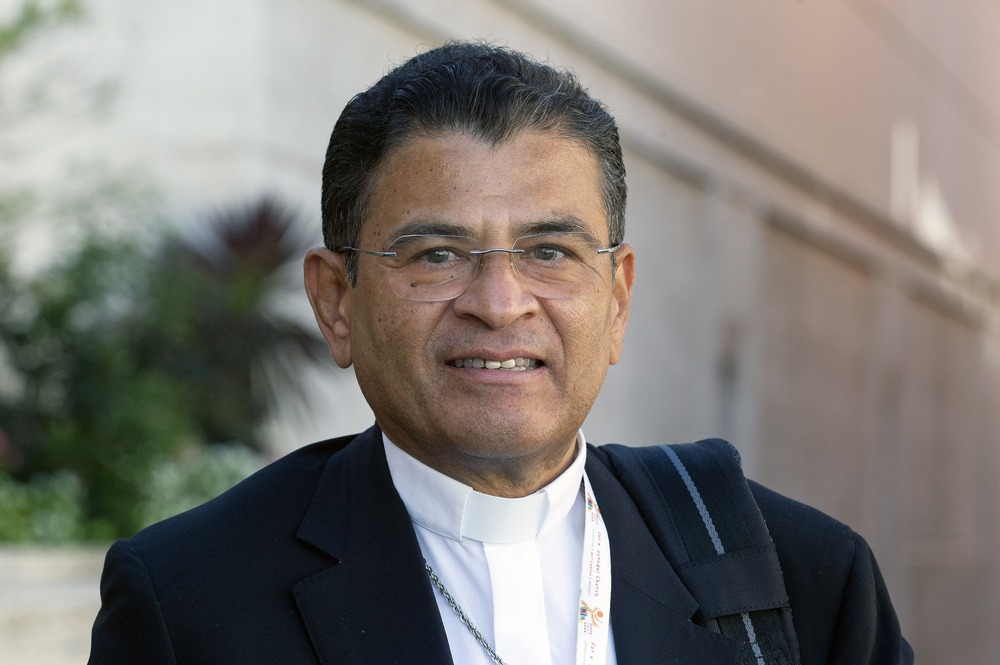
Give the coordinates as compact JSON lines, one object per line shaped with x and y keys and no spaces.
{"x":813,"y":201}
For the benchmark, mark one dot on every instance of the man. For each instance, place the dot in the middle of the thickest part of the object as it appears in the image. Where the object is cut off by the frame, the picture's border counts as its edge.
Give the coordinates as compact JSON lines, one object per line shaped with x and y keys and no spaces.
{"x":476,"y":277}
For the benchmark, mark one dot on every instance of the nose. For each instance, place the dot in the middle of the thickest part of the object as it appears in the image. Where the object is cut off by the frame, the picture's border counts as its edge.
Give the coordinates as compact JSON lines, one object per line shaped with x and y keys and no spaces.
{"x":496,"y":296}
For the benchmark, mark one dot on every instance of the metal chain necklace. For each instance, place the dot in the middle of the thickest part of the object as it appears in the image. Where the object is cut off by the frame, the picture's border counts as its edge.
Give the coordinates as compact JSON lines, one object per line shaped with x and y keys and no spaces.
{"x":439,"y":585}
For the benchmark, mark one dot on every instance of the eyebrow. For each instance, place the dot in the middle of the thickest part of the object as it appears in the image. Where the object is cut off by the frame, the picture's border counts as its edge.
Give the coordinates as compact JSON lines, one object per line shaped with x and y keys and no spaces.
{"x":564,"y":224}
{"x":423,"y":227}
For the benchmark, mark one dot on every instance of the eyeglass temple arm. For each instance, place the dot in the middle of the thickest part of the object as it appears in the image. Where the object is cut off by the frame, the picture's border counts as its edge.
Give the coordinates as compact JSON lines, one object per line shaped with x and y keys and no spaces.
{"x":346,"y":248}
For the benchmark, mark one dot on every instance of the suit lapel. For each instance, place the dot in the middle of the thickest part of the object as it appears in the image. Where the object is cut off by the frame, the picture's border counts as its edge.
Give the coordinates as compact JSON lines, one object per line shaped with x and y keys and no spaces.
{"x":374,"y":604}
{"x":650,"y":608}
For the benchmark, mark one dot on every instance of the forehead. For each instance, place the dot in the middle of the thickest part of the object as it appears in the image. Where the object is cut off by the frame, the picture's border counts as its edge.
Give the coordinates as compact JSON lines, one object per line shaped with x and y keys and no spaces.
{"x":456,"y":183}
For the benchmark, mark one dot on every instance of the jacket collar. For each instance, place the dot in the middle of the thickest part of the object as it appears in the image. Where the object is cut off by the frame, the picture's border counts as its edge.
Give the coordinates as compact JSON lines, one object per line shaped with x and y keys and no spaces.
{"x":374,"y":603}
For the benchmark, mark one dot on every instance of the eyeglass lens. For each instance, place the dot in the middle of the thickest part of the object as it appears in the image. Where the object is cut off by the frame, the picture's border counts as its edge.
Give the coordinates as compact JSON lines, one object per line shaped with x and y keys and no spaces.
{"x":551,"y":265}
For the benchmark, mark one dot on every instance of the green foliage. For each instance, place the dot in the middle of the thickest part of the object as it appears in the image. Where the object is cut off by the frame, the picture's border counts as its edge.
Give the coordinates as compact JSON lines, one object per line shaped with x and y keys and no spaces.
{"x":192,"y":479}
{"x":47,"y":510}
{"x":213,"y":324}
{"x":32,"y":18}
{"x":117,"y":359}
{"x":127,"y":354}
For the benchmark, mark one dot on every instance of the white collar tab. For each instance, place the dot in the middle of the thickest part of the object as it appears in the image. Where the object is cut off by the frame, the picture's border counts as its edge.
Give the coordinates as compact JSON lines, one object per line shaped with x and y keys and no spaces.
{"x":452,"y":509}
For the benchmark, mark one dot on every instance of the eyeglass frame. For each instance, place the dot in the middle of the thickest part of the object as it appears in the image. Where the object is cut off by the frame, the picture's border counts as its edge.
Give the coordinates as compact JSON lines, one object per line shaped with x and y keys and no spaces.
{"x":481,"y":252}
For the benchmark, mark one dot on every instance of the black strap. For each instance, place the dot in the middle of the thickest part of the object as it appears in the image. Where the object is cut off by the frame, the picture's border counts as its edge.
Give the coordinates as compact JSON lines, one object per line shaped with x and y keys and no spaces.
{"x":698,"y":506}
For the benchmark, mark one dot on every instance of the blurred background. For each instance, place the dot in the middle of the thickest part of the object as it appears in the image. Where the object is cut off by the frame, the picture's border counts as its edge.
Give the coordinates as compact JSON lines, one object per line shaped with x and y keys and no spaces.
{"x":814,"y":201}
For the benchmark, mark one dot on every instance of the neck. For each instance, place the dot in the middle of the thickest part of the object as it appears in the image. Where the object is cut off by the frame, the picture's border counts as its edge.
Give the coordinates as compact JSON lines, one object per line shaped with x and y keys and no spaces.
{"x":506,"y":477}
{"x":510,"y":483}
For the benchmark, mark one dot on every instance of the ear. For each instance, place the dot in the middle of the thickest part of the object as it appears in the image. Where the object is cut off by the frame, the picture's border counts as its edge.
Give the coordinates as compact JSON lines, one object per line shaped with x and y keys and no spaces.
{"x":330,"y":295}
{"x":621,"y":291}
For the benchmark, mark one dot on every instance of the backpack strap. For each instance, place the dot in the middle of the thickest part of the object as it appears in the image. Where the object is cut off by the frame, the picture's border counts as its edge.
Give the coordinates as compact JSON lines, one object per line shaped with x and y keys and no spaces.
{"x":699,"y":509}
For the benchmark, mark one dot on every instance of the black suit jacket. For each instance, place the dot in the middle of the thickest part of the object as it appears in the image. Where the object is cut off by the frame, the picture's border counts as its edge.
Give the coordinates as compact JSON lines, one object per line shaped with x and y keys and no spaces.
{"x":314,"y":560}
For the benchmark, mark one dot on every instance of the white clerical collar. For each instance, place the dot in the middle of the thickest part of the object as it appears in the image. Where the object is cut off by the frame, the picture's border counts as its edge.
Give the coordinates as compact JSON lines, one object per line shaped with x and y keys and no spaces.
{"x":452,"y":509}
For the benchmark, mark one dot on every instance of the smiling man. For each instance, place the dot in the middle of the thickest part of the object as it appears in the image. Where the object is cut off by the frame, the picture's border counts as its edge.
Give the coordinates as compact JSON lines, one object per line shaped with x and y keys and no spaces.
{"x":480,"y":365}
{"x":475,"y":275}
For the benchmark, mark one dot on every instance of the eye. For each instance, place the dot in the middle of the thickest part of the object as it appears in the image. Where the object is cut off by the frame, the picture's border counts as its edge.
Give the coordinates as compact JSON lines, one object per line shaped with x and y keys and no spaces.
{"x":554,"y":250}
{"x":437,"y":255}
{"x":548,"y":253}
{"x":429,"y":252}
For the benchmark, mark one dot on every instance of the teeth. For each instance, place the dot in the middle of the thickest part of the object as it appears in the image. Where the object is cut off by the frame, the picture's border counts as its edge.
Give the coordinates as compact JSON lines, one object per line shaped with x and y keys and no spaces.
{"x":512,"y":365}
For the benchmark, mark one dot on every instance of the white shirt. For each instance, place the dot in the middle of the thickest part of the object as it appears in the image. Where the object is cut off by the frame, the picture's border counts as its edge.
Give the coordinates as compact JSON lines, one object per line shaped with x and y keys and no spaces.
{"x":489,"y":552}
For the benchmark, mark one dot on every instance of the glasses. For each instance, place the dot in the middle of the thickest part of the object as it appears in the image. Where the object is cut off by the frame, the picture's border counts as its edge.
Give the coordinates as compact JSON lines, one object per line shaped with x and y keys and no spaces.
{"x":433,"y":268}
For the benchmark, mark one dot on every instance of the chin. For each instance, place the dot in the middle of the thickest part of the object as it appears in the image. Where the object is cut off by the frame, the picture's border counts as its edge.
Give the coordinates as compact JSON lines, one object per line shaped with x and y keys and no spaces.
{"x":506,"y":440}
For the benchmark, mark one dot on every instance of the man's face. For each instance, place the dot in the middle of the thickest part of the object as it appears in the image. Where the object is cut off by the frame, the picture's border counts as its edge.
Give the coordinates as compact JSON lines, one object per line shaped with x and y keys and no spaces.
{"x":473,"y":422}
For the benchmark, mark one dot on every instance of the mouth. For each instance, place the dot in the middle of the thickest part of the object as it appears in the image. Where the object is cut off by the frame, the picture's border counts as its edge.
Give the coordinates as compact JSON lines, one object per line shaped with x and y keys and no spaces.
{"x":509,"y":365}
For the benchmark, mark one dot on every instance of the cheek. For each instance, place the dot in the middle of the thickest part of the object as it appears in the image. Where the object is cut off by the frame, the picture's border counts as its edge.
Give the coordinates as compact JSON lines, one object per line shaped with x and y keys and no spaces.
{"x":586,"y":337}
{"x":384,"y":334}
{"x":385,"y":365}
{"x":394,"y":334}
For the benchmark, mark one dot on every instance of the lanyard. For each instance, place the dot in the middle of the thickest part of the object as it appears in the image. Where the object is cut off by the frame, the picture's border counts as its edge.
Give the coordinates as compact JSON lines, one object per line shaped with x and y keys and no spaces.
{"x":595,"y":586}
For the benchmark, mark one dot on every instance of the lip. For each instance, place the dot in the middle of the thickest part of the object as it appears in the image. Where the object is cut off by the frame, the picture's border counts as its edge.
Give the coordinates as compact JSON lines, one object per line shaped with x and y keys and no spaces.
{"x":494,"y":355}
{"x":491,"y":375}
{"x":519,"y":364}
{"x":475,"y":379}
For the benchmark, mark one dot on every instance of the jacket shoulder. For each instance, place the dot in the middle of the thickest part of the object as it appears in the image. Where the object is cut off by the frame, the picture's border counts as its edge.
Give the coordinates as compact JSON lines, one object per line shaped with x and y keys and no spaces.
{"x":840,"y":604}
{"x":797,"y":524}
